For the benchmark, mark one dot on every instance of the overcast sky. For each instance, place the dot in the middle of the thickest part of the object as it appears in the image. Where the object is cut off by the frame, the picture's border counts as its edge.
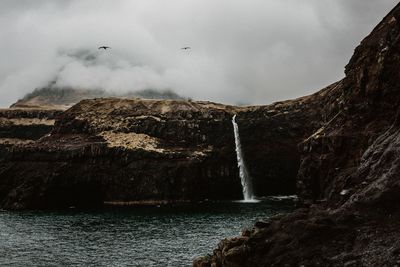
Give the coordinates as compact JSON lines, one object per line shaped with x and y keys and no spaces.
{"x":243,"y":51}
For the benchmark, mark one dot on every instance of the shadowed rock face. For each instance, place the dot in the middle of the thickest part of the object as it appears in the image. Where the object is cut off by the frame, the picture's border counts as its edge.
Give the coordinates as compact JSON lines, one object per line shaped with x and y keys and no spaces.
{"x":270,"y":135}
{"x":368,"y":106}
{"x":348,"y":180}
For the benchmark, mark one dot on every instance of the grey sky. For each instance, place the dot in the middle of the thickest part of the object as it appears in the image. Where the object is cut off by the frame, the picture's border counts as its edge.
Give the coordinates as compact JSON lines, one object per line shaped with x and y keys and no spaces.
{"x":248,"y":51}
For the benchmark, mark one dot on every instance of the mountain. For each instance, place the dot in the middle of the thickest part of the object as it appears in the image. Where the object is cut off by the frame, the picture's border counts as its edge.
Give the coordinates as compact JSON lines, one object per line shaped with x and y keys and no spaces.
{"x":52,"y":96}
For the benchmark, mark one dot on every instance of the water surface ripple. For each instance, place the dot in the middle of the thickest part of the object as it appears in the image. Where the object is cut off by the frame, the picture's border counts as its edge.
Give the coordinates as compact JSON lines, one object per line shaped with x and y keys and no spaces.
{"x":140,"y":236}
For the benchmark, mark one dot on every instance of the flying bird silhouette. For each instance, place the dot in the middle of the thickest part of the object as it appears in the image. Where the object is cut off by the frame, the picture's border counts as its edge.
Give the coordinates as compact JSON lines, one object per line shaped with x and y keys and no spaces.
{"x":186,"y":48}
{"x":104,"y":47}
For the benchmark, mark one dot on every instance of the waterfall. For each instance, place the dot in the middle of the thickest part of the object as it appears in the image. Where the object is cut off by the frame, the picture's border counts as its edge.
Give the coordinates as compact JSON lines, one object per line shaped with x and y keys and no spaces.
{"x":245,"y":178}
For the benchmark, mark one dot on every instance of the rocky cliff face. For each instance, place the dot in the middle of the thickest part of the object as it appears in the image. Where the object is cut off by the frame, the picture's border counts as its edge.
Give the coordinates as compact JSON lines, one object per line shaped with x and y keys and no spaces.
{"x":129,"y":151}
{"x":270,"y":136}
{"x":348,"y":180}
{"x":119,"y":151}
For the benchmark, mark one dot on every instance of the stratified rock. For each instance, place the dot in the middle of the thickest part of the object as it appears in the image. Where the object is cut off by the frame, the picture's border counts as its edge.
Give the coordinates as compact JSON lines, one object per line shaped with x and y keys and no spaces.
{"x":26,"y":124}
{"x":119,"y":151}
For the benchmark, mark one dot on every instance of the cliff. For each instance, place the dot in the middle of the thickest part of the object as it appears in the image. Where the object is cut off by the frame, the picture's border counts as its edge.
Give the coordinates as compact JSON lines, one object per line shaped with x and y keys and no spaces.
{"x":110,"y":151}
{"x":348,"y":180}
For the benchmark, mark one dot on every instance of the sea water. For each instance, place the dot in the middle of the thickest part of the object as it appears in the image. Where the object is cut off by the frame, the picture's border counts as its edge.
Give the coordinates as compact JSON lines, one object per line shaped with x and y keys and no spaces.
{"x":135,"y":236}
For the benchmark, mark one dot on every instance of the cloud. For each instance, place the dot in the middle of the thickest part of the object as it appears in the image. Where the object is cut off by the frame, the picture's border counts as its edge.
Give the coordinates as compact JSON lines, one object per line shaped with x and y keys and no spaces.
{"x":256,"y":51}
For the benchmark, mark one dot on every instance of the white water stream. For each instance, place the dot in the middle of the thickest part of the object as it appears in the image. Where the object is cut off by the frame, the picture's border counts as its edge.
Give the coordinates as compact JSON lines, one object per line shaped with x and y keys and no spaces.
{"x":245,"y":178}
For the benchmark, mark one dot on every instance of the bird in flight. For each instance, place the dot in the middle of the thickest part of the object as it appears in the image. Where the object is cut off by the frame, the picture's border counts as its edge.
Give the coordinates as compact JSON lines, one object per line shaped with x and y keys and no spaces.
{"x":104,"y":47}
{"x":186,"y":48}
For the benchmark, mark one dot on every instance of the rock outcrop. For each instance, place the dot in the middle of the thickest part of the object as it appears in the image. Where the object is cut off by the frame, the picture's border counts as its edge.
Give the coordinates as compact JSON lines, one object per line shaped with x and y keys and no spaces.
{"x":348,"y":180}
{"x":19,"y":126}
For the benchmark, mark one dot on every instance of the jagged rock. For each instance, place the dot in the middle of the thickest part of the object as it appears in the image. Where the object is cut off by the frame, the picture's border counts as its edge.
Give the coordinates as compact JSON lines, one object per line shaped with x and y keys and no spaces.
{"x":348,"y":180}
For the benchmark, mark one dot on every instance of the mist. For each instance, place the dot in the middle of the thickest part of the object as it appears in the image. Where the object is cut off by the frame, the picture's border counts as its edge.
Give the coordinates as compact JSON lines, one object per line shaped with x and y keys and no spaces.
{"x":253,"y":52}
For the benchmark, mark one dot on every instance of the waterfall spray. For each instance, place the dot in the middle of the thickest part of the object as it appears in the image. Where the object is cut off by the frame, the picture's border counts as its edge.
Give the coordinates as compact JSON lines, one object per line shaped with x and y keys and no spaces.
{"x":245,"y":178}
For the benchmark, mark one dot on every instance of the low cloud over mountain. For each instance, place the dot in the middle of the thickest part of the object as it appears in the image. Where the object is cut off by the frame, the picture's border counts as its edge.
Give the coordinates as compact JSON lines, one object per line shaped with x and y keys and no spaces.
{"x":251,"y":52}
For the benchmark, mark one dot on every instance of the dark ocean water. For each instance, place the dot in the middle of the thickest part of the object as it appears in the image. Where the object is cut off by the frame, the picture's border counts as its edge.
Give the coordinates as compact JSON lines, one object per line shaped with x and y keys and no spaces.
{"x":140,"y":236}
